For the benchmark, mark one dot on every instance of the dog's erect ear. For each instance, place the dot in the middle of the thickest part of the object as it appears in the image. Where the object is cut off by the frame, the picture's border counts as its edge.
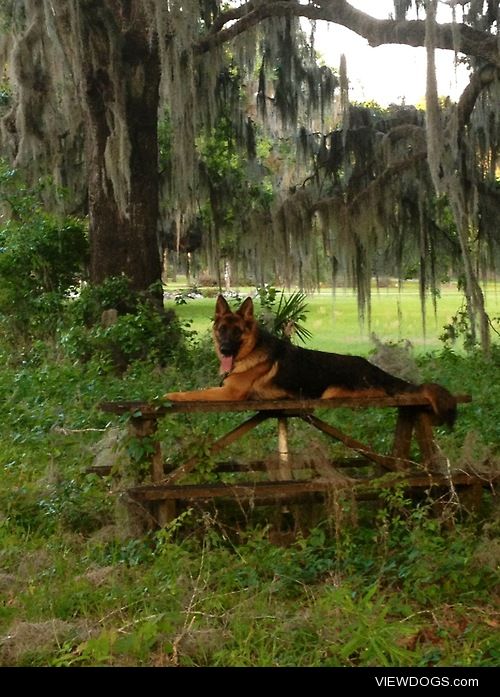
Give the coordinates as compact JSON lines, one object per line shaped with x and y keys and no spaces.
{"x":221,"y":306}
{"x":246,"y":309}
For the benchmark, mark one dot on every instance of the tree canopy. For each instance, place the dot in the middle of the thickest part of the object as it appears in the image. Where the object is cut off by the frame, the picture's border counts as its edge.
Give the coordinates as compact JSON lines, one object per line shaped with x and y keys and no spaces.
{"x":142,"y":108}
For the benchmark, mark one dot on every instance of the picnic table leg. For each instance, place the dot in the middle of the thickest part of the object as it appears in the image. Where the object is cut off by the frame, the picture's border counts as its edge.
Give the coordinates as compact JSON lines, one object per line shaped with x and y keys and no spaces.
{"x":162,"y":512}
{"x":471,"y":496}
{"x":288,"y":516}
{"x":405,"y":425}
{"x":283,"y":455}
{"x":425,"y":438}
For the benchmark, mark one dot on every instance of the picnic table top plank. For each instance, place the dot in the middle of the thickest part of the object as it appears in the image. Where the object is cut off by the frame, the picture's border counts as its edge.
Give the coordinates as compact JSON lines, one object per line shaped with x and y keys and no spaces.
{"x":157,"y":409}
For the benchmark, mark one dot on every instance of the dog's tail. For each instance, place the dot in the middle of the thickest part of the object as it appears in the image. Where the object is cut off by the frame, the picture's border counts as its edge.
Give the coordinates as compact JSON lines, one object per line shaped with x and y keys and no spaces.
{"x":443,"y":403}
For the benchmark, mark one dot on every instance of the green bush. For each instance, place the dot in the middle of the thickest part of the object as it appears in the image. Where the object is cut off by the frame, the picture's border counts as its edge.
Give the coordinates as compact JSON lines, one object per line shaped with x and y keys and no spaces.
{"x":114,"y":293}
{"x":140,"y":330}
{"x":42,"y":259}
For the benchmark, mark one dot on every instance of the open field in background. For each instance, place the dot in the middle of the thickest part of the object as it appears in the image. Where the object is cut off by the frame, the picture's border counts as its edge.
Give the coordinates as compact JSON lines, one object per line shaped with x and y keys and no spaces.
{"x":333,"y":320}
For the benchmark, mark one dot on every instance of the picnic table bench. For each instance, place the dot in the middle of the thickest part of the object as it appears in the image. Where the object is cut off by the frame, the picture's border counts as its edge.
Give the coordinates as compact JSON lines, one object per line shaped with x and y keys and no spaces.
{"x":159,"y":496}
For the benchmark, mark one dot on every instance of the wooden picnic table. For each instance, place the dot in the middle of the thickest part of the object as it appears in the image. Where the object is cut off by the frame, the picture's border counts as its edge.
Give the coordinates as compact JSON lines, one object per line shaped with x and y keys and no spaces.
{"x":413,"y":423}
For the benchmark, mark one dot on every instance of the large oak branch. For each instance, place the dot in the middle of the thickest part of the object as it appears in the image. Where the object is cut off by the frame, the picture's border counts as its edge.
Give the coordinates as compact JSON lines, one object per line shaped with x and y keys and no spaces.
{"x":479,"y":81}
{"x":377,"y":32}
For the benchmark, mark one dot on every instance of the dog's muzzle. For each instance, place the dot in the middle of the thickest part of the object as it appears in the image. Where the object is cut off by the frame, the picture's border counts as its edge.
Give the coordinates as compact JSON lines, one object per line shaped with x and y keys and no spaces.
{"x":229,"y":348}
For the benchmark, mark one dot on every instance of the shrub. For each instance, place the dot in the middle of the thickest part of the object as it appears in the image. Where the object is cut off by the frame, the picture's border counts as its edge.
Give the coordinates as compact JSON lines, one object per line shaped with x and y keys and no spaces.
{"x":140,"y":330}
{"x":285,"y":319}
{"x":42,"y":259}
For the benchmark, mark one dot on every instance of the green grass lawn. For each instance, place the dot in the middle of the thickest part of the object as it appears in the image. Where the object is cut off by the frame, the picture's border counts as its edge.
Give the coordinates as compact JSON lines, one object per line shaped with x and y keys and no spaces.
{"x":333,"y":320}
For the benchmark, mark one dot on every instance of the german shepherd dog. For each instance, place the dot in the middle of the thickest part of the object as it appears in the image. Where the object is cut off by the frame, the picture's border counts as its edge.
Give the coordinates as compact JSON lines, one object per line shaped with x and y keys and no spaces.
{"x":256,"y":365}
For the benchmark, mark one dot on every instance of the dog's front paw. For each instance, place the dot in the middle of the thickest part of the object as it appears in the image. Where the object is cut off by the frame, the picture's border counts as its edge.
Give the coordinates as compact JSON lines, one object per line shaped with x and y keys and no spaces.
{"x":170,"y":396}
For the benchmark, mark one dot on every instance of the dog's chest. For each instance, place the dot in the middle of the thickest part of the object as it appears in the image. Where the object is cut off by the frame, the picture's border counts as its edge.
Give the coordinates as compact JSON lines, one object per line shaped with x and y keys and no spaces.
{"x":264,"y":387}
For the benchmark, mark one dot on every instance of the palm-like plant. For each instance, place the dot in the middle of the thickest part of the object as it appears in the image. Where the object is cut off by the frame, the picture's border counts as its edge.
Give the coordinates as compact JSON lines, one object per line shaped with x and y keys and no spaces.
{"x":285,"y":319}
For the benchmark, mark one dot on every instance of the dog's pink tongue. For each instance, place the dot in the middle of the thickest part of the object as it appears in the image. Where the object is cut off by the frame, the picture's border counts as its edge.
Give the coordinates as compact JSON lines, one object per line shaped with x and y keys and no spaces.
{"x":226,"y":364}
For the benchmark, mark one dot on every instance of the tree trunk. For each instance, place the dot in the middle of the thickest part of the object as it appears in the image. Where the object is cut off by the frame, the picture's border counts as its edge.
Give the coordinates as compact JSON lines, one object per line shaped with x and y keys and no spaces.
{"x":446,"y":155}
{"x":476,"y":309}
{"x":121,"y":82}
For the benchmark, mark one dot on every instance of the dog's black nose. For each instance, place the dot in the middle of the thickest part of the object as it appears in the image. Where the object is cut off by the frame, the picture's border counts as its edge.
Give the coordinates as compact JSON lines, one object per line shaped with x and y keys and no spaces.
{"x":227,"y":349}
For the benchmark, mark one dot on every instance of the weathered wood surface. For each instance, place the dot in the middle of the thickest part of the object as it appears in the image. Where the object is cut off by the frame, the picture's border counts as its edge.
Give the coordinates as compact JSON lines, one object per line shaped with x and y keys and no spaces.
{"x":256,"y":467}
{"x":145,"y":409}
{"x":284,"y":489}
{"x":385,"y":461}
{"x":218,"y":445}
{"x":414,"y":420}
